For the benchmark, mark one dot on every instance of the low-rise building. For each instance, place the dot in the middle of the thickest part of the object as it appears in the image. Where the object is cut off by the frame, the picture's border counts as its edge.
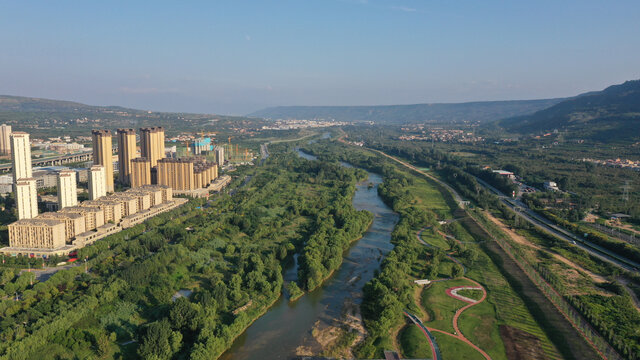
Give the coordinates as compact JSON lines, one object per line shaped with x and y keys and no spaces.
{"x":74,"y":223}
{"x":93,"y":217}
{"x":37,"y":233}
{"x":112,"y":208}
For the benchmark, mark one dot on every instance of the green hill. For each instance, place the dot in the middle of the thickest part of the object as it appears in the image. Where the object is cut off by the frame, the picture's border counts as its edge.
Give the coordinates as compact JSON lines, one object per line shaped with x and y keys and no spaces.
{"x":45,"y":117}
{"x":28,"y":104}
{"x":607,"y":115}
{"x":483,"y":111}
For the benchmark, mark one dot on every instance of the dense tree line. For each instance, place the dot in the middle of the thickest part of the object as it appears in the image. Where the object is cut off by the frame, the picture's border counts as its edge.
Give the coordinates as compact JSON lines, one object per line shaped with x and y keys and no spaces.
{"x":185,"y":283}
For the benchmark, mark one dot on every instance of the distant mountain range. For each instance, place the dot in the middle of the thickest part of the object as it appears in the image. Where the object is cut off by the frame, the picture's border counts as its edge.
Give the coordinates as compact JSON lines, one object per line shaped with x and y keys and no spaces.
{"x":607,"y":115}
{"x":470,"y":112}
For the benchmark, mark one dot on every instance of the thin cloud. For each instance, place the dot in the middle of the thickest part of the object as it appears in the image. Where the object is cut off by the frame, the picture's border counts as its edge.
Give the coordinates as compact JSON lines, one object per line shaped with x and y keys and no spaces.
{"x":149,"y":90}
{"x":404,"y":8}
{"x":247,"y":37}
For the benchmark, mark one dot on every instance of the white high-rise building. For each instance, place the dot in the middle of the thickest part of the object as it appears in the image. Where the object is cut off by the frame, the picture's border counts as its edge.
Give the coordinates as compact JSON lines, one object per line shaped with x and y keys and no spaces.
{"x":67,"y":189}
{"x":26,"y":198}
{"x":5,"y":139}
{"x":97,"y":182}
{"x":21,"y":155}
{"x":219,"y":155}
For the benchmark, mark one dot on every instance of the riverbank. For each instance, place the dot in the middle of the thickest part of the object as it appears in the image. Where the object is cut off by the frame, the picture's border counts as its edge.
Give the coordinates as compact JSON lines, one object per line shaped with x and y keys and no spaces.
{"x":326,"y":320}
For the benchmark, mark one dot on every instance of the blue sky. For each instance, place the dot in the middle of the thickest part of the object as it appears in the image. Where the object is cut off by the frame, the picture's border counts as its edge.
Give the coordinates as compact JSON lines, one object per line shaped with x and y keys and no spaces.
{"x":238,"y":56}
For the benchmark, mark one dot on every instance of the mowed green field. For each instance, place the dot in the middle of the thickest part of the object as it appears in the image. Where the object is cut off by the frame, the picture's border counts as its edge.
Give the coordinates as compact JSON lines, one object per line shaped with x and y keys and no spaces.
{"x":503,"y":306}
{"x":480,"y":323}
{"x":440,"y":306}
{"x":432,"y":238}
{"x":427,"y":195}
{"x":414,"y":344}
{"x":452,"y":348}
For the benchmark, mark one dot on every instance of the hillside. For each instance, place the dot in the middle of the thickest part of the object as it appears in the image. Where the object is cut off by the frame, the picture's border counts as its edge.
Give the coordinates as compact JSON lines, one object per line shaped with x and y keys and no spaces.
{"x":610,"y":114}
{"x":28,"y":104}
{"x":42,"y":117}
{"x":483,"y":111}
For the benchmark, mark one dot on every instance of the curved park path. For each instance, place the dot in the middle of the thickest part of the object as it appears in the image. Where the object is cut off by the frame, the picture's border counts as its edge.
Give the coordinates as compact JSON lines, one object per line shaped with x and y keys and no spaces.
{"x":452,"y":292}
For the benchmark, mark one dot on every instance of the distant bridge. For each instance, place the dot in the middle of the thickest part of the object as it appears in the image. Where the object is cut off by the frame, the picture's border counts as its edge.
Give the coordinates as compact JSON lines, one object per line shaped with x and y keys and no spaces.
{"x":54,"y":161}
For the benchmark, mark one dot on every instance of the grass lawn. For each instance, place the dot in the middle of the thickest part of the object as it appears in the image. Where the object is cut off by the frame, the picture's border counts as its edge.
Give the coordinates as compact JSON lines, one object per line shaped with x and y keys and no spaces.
{"x":452,"y":348}
{"x":471,"y":294}
{"x":432,"y":238}
{"x":479,"y":325}
{"x":441,"y":307}
{"x":426,"y":194}
{"x":414,"y":343}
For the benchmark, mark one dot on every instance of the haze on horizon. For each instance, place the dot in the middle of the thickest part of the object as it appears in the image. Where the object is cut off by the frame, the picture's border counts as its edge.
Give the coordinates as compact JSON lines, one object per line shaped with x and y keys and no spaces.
{"x":232,"y":57}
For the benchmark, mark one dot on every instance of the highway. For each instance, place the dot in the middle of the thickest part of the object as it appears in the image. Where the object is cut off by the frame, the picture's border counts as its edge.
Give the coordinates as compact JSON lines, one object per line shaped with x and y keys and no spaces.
{"x":56,"y":160}
{"x":546,"y":225}
{"x":538,"y":221}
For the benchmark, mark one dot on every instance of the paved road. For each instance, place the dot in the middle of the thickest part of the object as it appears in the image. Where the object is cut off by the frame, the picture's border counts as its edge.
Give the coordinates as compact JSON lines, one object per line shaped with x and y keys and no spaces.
{"x":435,"y":350}
{"x":546,"y":225}
{"x":536,"y":220}
{"x":264,"y":152}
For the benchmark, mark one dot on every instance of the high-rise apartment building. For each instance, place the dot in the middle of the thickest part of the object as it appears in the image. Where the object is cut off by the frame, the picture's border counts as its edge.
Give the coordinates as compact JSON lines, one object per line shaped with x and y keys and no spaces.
{"x":152,"y":144}
{"x":5,"y":139}
{"x":97,"y":182}
{"x":67,"y":190}
{"x":186,"y":173}
{"x":219,"y":155}
{"x":21,"y":155}
{"x":26,"y":198}
{"x":126,"y":153}
{"x":103,"y":154}
{"x":140,"y":172}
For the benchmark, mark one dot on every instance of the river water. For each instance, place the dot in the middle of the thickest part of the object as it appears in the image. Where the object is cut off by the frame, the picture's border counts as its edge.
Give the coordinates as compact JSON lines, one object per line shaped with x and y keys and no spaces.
{"x":287,"y":326}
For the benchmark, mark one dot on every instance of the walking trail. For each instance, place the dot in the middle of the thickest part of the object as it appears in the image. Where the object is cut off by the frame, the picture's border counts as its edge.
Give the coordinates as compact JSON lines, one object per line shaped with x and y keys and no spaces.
{"x":452,"y":292}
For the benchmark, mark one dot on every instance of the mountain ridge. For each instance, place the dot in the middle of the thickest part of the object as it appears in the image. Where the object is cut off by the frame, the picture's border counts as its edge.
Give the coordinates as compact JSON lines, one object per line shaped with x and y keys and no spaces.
{"x":480,"y":111}
{"x":598,"y":115}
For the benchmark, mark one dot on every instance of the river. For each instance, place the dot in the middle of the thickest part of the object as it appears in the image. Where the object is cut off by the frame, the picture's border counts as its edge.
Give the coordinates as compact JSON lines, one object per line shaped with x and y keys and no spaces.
{"x":287,"y":326}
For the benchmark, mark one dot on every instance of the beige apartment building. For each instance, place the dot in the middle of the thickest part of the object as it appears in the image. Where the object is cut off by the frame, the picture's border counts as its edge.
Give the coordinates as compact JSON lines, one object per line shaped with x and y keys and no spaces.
{"x":5,"y":139}
{"x":186,"y":173}
{"x":140,"y":172}
{"x":126,"y":153}
{"x":37,"y":233}
{"x":152,"y":144}
{"x":112,"y":208}
{"x":93,"y":217}
{"x":103,"y":154}
{"x":129,"y":203}
{"x":74,"y":223}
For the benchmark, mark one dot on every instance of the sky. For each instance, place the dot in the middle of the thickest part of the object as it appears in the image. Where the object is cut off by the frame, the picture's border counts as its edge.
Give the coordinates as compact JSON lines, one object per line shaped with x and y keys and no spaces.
{"x":237,"y":56}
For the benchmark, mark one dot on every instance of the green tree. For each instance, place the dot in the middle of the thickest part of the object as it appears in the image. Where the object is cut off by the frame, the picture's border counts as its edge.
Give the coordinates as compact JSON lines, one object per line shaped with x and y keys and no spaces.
{"x":457,"y":271}
{"x":159,"y":342}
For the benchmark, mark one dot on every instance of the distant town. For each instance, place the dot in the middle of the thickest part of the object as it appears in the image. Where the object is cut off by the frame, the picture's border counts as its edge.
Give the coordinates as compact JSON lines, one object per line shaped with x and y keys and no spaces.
{"x":302,"y":124}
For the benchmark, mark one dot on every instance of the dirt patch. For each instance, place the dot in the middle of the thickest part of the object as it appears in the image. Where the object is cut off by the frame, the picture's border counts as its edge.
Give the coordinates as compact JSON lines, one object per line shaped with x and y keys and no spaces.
{"x":417,"y":294}
{"x":338,"y":339}
{"x":520,"y":345}
{"x":524,"y":241}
